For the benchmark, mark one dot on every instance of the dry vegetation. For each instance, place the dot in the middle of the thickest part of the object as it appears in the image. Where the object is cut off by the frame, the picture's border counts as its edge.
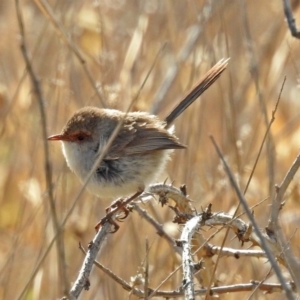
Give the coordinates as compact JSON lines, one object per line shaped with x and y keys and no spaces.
{"x":119,"y":41}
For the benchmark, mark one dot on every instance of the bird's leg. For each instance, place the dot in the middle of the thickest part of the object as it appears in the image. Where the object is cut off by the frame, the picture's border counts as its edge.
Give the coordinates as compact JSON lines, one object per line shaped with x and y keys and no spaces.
{"x":114,"y":204}
{"x":118,"y":205}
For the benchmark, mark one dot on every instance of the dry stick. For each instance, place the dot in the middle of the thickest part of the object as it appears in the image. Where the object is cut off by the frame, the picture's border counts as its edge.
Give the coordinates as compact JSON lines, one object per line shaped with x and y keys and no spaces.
{"x":155,"y":291}
{"x":218,"y":219}
{"x":265,"y":136}
{"x":254,"y":167}
{"x":283,"y":252}
{"x":260,"y":283}
{"x":292,"y":262}
{"x":268,"y":130}
{"x":215,"y":249}
{"x":172,"y":72}
{"x":189,"y":44}
{"x":46,"y":9}
{"x":47,"y":168}
{"x":225,"y":251}
{"x":290,"y":19}
{"x":274,"y":228}
{"x":159,"y":228}
{"x":84,"y":273}
{"x":269,"y":287}
{"x":79,"y":284}
{"x":219,"y":249}
{"x":255,"y":75}
{"x":126,"y":286}
{"x":176,"y":193}
{"x":146,"y":271}
{"x":131,"y":55}
{"x":82,"y":280}
{"x":252,"y":207}
{"x":134,"y":290}
{"x":280,"y":191}
{"x":113,"y":136}
{"x":215,"y":219}
{"x":24,"y":73}
{"x":263,"y":243}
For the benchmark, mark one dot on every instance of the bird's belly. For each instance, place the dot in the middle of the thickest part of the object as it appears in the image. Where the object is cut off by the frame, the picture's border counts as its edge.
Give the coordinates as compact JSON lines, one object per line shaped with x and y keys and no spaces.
{"x":125,"y":176}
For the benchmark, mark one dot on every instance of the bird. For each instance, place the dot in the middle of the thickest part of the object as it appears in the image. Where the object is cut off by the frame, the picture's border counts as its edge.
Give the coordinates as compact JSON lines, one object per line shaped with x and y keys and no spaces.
{"x":138,"y":154}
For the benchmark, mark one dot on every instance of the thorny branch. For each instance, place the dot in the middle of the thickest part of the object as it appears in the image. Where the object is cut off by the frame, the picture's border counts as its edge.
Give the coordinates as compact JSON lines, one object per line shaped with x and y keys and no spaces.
{"x":242,"y":230}
{"x":262,"y":237}
{"x":266,"y":287}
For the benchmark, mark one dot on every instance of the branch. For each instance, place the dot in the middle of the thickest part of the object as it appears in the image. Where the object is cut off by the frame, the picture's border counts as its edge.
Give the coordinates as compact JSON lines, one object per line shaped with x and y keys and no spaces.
{"x":166,"y":191}
{"x":290,"y":19}
{"x":46,"y":9}
{"x":187,"y":261}
{"x":159,"y":228}
{"x":193,"y":33}
{"x":261,"y":237}
{"x":82,"y":281}
{"x":273,"y":228}
{"x":47,"y":169}
{"x":242,"y":287}
{"x":237,"y":253}
{"x":280,"y":191}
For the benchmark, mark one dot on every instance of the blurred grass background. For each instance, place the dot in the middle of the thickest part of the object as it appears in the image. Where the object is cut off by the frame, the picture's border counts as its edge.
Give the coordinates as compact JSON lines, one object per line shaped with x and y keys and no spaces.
{"x":119,"y":41}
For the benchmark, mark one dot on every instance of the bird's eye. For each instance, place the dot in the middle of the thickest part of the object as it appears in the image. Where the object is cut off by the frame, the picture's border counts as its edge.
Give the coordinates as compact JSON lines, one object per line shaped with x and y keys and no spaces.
{"x":80,"y":137}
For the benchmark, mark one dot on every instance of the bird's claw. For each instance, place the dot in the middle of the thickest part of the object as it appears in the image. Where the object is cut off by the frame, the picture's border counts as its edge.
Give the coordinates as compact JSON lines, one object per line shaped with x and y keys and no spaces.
{"x":114,"y":208}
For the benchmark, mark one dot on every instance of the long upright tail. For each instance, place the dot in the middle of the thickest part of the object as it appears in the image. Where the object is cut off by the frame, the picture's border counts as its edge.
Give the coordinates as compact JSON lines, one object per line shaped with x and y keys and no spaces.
{"x":205,"y":82}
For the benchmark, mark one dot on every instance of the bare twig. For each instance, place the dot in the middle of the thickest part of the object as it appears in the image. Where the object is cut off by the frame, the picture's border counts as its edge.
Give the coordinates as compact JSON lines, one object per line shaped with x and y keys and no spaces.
{"x":260,"y":283}
{"x":159,"y":228}
{"x":84,"y":273}
{"x":290,"y":19}
{"x":267,"y":287}
{"x":192,"y":37}
{"x":100,"y":157}
{"x":265,"y":136}
{"x":251,"y":175}
{"x":132,"y":53}
{"x":262,"y":239}
{"x":47,"y":168}
{"x":146,"y":286}
{"x":280,"y":191}
{"x":237,"y":253}
{"x":46,"y":9}
{"x":194,"y":32}
{"x":254,"y":69}
{"x":274,"y":229}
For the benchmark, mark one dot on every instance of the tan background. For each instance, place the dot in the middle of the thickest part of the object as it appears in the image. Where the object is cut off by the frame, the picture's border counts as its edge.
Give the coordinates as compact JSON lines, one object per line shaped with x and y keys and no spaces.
{"x":253,"y":34}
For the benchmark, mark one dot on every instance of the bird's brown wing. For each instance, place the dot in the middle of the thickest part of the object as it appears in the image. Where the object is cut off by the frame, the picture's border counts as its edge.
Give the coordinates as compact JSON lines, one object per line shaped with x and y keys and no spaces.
{"x":142,"y":133}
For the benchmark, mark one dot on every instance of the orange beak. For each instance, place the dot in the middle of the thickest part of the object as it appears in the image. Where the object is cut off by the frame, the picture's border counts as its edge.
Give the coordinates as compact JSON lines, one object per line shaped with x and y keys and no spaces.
{"x":58,"y":137}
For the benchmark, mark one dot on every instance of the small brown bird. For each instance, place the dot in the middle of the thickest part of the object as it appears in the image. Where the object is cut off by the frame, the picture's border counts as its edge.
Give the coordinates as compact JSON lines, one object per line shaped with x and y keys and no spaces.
{"x":139,"y":152}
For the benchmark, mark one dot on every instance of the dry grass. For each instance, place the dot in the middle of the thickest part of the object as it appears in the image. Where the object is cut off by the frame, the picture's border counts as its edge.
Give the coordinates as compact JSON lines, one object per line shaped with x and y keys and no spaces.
{"x":231,"y":110}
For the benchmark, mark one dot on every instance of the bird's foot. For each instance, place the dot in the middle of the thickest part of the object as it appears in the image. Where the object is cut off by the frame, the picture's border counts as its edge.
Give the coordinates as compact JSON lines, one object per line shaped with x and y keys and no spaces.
{"x":113,"y":211}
